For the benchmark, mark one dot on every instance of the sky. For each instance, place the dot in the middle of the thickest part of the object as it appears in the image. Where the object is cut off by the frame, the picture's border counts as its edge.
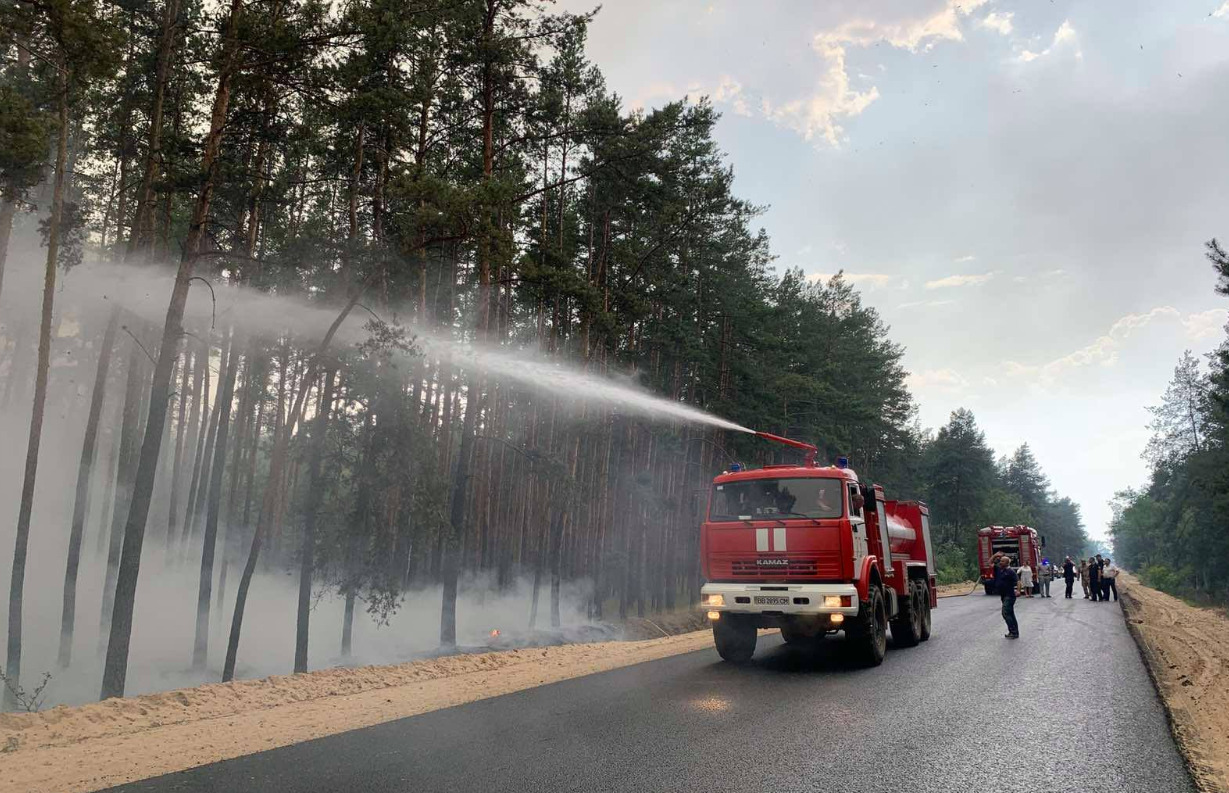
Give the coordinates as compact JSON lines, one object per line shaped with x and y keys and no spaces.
{"x":1021,"y":189}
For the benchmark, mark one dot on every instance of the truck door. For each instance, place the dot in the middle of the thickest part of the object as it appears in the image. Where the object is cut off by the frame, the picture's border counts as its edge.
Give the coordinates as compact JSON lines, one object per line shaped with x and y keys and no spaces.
{"x":857,"y":525}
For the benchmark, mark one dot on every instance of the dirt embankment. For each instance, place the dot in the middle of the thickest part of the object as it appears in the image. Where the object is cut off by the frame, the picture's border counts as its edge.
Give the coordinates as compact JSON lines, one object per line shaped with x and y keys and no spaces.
{"x":1187,"y":651}
{"x":120,"y":740}
{"x":952,"y":590}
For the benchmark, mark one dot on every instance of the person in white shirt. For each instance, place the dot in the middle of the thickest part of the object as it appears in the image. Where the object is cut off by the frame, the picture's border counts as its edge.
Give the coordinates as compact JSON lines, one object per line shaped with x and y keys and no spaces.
{"x":1110,"y":577}
{"x":1026,"y":580}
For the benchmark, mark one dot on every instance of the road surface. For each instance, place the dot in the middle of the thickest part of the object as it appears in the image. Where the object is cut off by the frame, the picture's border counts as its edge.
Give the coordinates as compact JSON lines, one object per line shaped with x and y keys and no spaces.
{"x":967,"y":711}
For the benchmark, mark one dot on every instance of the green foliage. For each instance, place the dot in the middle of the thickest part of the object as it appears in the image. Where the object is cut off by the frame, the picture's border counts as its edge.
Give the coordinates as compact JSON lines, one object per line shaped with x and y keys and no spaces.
{"x":954,"y":564}
{"x":24,"y":133}
{"x":1173,"y":530}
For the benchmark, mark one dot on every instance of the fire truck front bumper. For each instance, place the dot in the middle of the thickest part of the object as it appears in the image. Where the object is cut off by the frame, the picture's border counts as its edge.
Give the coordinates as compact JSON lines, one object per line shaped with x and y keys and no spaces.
{"x":784,"y":599}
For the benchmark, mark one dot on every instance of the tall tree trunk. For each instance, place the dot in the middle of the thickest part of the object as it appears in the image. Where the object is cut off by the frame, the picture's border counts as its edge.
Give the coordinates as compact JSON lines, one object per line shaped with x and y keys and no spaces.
{"x":26,"y":507}
{"x":142,"y":238}
{"x":172,"y":518}
{"x":128,"y":442}
{"x":196,"y":506}
{"x":116,"y":670}
{"x":198,"y":424}
{"x":461,"y":476}
{"x":277,"y":464}
{"x":81,"y":499}
{"x":307,"y":553}
{"x":204,"y":590}
{"x":8,"y":209}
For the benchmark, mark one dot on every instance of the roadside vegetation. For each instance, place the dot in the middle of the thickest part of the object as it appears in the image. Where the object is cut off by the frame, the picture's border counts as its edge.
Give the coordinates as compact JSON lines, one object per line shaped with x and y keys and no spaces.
{"x":1172,"y":530}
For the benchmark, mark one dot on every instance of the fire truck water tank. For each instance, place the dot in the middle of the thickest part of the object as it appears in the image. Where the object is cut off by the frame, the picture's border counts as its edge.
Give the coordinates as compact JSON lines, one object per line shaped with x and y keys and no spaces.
{"x":901,"y":534}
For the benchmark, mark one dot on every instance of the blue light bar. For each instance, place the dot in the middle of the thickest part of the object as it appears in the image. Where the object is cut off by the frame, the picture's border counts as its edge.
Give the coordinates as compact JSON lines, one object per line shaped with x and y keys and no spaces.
{"x":842,"y":462}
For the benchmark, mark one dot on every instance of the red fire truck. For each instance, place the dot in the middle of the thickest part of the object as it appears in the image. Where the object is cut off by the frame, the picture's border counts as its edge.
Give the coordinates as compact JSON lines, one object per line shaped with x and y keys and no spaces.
{"x":1021,"y":543}
{"x":812,"y":550}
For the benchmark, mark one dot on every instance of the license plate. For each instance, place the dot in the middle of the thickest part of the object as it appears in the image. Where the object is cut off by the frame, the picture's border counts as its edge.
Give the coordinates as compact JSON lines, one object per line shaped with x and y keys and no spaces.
{"x":768,"y":600}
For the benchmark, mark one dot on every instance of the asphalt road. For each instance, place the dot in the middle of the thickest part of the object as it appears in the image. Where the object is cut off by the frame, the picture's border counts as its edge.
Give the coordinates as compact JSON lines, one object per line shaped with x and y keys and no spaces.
{"x":1068,"y":707}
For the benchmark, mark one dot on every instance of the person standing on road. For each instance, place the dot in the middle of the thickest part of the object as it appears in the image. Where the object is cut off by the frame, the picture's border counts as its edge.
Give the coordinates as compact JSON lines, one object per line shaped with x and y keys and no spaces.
{"x":1109,"y":578}
{"x":1094,"y":579}
{"x":1005,"y":584}
{"x":1026,"y":580}
{"x":1102,"y":588}
{"x":1084,"y":576}
{"x":1045,"y":576}
{"x":1069,"y":575}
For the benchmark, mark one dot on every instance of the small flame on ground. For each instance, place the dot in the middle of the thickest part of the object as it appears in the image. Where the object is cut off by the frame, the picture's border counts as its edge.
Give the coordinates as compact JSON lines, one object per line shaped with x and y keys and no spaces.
{"x":494,"y":633}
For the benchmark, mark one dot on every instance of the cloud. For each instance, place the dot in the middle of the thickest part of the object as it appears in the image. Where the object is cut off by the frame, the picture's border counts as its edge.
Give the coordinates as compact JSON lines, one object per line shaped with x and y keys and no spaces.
{"x":654,"y":92}
{"x":995,"y":21}
{"x":963,"y":259}
{"x":1064,"y":35}
{"x":1206,"y":324}
{"x":1101,"y":352}
{"x":1221,"y":12}
{"x":730,"y":91}
{"x":960,"y":280}
{"x":926,"y":303}
{"x":875,"y":280}
{"x":833,"y":98}
{"x":940,"y":380}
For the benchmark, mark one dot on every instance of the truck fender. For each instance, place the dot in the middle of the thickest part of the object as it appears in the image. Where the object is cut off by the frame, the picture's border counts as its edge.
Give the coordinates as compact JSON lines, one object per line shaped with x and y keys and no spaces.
{"x":864,"y":576}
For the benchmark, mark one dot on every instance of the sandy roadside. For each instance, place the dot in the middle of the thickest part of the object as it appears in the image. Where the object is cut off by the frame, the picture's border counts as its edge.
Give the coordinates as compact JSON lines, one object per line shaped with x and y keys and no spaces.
{"x":954,"y":590}
{"x":64,"y":750}
{"x":1187,"y":651}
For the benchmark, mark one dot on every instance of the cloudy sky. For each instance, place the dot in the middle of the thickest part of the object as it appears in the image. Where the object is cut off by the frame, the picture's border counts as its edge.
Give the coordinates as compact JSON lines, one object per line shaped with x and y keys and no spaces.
{"x":1022,"y":189}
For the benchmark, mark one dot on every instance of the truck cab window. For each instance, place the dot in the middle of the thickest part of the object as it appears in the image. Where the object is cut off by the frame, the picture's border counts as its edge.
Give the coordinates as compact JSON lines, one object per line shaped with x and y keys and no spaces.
{"x":856,"y":502}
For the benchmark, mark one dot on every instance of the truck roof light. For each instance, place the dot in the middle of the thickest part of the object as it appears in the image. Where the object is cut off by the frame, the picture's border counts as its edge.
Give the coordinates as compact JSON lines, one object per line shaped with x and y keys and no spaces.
{"x":736,"y":467}
{"x":842,"y":462}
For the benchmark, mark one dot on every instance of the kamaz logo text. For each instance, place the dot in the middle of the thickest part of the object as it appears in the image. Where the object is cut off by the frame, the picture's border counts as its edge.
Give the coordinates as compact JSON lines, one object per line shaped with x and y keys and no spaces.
{"x":772,"y":562}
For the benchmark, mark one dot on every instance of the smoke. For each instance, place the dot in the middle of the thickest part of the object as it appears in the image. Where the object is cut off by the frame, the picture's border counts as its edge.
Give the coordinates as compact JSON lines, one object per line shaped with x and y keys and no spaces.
{"x":162,"y":638}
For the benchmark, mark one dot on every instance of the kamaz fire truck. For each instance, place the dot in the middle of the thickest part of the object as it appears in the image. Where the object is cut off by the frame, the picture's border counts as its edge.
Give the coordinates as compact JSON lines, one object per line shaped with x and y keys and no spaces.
{"x":1021,"y":543}
{"x":812,"y":550}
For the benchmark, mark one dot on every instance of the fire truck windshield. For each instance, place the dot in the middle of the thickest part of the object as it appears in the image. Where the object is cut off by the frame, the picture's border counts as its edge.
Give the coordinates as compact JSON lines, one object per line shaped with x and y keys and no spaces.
{"x":768,"y":499}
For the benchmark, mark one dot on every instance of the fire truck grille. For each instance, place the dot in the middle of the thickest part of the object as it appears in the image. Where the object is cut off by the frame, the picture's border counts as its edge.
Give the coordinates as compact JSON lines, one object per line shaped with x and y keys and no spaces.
{"x":820,"y":566}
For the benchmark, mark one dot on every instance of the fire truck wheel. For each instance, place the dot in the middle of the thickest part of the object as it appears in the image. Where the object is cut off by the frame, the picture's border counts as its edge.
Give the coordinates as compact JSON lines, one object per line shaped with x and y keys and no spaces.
{"x":867,"y":638}
{"x":735,"y":639}
{"x":925,"y":612}
{"x":907,"y":627}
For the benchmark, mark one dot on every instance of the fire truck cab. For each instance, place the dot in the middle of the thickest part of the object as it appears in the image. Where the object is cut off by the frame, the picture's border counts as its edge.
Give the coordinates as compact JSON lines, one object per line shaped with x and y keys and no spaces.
{"x":813,"y":551}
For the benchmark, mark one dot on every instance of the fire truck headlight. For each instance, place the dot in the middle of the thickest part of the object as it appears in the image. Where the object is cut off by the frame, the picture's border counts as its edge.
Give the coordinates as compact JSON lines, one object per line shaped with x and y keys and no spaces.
{"x":832,"y":601}
{"x":837,"y":619}
{"x":714,"y":600}
{"x":714,"y":615}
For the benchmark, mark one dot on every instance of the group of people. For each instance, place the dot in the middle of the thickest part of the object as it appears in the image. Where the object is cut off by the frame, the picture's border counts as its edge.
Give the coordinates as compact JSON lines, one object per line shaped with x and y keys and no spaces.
{"x":1097,"y":575}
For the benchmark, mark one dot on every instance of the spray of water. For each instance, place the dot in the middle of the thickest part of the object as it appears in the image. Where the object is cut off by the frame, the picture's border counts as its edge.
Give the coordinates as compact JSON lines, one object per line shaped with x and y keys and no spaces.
{"x":567,"y":381}
{"x":143,"y":291}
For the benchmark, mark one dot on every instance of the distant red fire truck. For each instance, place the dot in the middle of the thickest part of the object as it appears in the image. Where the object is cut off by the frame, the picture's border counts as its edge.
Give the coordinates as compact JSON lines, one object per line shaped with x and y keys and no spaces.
{"x":812,"y":550}
{"x":1022,"y":543}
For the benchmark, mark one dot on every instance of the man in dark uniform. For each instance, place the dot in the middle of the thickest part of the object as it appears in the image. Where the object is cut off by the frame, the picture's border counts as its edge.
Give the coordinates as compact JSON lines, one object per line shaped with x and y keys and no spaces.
{"x":1069,"y":574}
{"x":1005,"y":584}
{"x":1094,"y":579}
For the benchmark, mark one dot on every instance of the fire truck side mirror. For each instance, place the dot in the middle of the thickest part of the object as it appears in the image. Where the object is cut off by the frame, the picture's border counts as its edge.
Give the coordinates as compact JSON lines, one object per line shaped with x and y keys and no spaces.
{"x":1043,"y":541}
